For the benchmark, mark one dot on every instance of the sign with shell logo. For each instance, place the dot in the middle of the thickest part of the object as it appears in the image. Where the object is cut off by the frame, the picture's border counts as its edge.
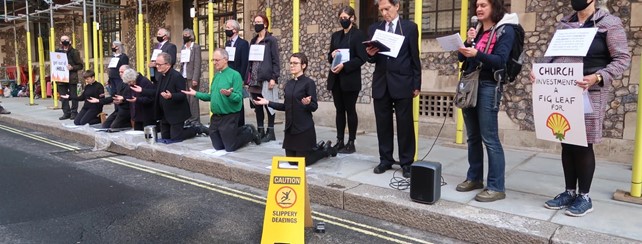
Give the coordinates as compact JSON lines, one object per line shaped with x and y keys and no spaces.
{"x":559,"y":104}
{"x":59,"y":71}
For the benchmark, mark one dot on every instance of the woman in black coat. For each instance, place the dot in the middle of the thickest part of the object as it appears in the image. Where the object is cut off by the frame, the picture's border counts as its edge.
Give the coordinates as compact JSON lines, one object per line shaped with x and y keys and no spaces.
{"x":300,"y":101}
{"x":92,"y":107}
{"x":347,"y":55}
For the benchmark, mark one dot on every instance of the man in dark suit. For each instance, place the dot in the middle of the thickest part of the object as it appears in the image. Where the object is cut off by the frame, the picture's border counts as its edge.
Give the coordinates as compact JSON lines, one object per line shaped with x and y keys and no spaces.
{"x":74,"y":64}
{"x":395,"y":82}
{"x":241,"y":55}
{"x":162,"y":36}
{"x":191,"y":70}
{"x":170,"y":104}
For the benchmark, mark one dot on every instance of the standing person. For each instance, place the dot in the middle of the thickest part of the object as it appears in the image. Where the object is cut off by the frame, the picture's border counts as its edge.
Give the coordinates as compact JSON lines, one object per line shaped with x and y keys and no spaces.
{"x":92,"y":107}
{"x":395,"y":82}
{"x":481,"y":121}
{"x":74,"y":65}
{"x":344,"y":80}
{"x":119,"y":59}
{"x":141,"y":106}
{"x":607,"y":58}
{"x":300,"y":101}
{"x":226,"y":100}
{"x":191,"y":70}
{"x":241,"y":55}
{"x":162,"y":36}
{"x":264,"y":75}
{"x":170,"y":104}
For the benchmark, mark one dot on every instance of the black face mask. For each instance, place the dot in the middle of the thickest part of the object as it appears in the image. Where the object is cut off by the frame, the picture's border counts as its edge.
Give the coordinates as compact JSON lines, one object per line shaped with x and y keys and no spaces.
{"x":113,"y":49}
{"x":579,"y":5}
{"x":345,"y":23}
{"x":160,"y":38}
{"x":259,"y":27}
{"x":229,"y":33}
{"x":187,"y":39}
{"x":66,"y":43}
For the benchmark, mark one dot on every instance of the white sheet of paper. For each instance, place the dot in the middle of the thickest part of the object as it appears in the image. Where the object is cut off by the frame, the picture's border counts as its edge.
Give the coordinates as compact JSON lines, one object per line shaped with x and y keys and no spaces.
{"x":285,"y":165}
{"x":345,"y":55}
{"x":588,"y":109}
{"x":59,"y":71}
{"x":571,"y":42}
{"x":231,"y":51}
{"x":214,"y":152}
{"x":450,"y":43}
{"x":185,"y":55}
{"x":155,"y":54}
{"x":257,"y":52}
{"x":113,"y":62}
{"x":393,"y":41}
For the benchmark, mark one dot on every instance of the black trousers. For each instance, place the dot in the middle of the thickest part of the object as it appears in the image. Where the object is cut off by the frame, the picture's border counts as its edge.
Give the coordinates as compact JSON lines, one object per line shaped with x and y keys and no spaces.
{"x":346,"y":105}
{"x":311,"y":157}
{"x":121,"y":119}
{"x":87,"y":116}
{"x":578,"y":163}
{"x":402,"y":108}
{"x":176,"y":132}
{"x":226,"y":133}
{"x":72,"y":91}
{"x":140,"y":125}
{"x":260,"y":114}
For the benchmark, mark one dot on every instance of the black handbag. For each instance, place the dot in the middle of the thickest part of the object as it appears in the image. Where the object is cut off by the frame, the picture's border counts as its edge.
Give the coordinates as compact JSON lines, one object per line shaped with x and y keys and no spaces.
{"x":466,"y":94}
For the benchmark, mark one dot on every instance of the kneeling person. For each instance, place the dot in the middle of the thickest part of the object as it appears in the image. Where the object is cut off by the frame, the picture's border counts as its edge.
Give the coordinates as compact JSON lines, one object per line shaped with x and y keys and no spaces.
{"x":226,"y":99}
{"x":91,"y":94}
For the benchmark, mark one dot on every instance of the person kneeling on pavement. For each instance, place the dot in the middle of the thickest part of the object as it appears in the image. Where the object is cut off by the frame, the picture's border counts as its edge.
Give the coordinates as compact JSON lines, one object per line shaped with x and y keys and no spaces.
{"x":92,"y":107}
{"x":226,"y":99}
{"x":141,"y":107}
{"x":121,"y":117}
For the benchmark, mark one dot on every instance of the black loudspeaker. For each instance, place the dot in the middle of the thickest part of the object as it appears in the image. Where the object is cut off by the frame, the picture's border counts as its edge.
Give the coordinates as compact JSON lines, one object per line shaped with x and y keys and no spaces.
{"x":425,"y":182}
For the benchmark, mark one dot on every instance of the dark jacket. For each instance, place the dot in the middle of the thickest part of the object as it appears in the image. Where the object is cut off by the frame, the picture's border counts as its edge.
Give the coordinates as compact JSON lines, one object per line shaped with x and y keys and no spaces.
{"x":113,"y":72}
{"x":168,"y":48}
{"x":270,"y":67}
{"x":176,"y":109}
{"x":124,"y":91}
{"x":402,"y":75}
{"x":298,"y":117}
{"x":95,"y":90}
{"x":240,"y":63}
{"x":73,"y":59}
{"x":350,"y":76}
{"x":143,"y":109}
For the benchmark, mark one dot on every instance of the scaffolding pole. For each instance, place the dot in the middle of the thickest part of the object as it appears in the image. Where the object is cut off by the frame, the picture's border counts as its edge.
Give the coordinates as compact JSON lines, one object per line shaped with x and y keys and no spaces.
{"x":41,"y":64}
{"x":52,"y":48}
{"x":29,"y":66}
{"x":463,"y":28}
{"x":94,"y":38}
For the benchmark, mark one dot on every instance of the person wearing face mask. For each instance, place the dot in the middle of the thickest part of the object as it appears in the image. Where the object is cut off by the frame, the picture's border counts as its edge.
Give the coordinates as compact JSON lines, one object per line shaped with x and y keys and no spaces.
{"x":74,"y":65}
{"x":119,"y":59}
{"x":162,"y":36}
{"x":607,"y":59}
{"x":91,"y":94}
{"x":191,"y":70}
{"x":264,"y":75}
{"x":344,"y":79}
{"x":241,"y":54}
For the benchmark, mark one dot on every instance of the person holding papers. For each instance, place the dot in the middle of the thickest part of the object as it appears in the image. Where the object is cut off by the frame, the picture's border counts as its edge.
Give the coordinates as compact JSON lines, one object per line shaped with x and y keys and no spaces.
{"x":74,"y":64}
{"x":265,"y":69}
{"x":115,"y":63}
{"x":396,"y":81}
{"x":91,"y":94}
{"x":607,"y":58}
{"x":344,"y":78}
{"x":163,"y":45}
{"x":191,"y":70}
{"x":239,"y":50}
{"x":489,"y":50}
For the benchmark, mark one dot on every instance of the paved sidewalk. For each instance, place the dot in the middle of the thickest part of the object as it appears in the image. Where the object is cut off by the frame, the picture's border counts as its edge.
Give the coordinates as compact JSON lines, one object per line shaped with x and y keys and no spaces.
{"x":532,"y":177}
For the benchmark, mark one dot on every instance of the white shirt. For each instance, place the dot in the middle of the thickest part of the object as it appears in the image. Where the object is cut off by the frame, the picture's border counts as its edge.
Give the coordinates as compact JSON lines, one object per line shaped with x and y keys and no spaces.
{"x":394,"y":24}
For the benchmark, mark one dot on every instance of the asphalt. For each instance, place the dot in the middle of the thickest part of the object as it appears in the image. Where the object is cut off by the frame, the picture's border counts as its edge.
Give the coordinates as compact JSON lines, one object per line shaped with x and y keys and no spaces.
{"x":347,"y":182}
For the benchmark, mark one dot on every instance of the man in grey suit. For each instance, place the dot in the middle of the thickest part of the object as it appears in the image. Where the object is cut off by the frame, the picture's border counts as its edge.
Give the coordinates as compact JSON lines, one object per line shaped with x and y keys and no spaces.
{"x":191,"y":70}
{"x":162,"y":36}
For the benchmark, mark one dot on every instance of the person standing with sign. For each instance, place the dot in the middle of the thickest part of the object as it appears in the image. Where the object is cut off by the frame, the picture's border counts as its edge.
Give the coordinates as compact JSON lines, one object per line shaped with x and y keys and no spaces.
{"x":74,"y":64}
{"x":344,"y":79}
{"x":239,"y":51}
{"x":395,"y":82}
{"x":163,"y":45}
{"x":119,"y":59}
{"x":264,"y":72}
{"x":607,"y":58}
{"x":191,"y":70}
{"x":490,"y":52}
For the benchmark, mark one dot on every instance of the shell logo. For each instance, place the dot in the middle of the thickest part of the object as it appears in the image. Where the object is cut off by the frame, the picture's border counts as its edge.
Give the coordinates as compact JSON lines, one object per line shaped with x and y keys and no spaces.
{"x":58,"y":56}
{"x":558,"y":124}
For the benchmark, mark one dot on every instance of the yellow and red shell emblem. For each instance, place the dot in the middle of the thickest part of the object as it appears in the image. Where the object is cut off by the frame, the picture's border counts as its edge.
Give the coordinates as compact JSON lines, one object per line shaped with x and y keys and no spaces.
{"x":558,"y":124}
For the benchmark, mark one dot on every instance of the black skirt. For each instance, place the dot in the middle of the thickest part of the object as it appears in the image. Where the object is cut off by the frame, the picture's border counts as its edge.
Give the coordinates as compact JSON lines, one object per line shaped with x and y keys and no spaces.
{"x":300,"y":142}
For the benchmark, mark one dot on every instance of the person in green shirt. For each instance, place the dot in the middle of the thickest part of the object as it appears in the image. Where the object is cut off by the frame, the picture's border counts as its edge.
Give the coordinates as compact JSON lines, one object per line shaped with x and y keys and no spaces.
{"x":226,"y":99}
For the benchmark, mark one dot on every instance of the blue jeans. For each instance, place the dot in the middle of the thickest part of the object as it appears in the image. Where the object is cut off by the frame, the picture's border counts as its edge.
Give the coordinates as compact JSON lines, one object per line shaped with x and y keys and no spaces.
{"x":481,"y":126}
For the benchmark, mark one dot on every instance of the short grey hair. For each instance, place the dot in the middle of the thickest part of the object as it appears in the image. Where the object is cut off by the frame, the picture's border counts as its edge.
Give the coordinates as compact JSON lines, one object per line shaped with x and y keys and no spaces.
{"x":166,"y":31}
{"x":235,"y":24}
{"x":190,"y":32}
{"x":166,"y":57}
{"x":223,"y":53}
{"x":129,"y":75}
{"x":393,"y":2}
{"x":124,"y":66}
{"x":119,"y":45}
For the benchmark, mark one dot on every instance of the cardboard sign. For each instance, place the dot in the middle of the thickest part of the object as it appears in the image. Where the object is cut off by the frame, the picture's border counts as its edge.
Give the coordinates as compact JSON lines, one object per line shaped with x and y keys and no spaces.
{"x":257,"y":52}
{"x":155,"y":54}
{"x":231,"y":52}
{"x":113,"y":62}
{"x":185,"y":55}
{"x":287,"y":208}
{"x":59,"y":71}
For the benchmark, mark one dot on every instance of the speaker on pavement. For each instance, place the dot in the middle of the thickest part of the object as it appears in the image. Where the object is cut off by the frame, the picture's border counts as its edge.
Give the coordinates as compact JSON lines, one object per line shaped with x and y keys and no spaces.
{"x":425,"y":182}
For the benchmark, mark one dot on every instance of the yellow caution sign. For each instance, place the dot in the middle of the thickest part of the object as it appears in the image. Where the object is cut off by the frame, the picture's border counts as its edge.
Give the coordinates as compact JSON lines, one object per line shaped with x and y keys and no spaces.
{"x":287,"y":208}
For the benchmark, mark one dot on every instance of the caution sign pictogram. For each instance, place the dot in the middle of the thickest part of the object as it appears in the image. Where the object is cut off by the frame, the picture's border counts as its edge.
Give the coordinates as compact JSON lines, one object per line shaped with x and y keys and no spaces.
{"x":287,"y":208}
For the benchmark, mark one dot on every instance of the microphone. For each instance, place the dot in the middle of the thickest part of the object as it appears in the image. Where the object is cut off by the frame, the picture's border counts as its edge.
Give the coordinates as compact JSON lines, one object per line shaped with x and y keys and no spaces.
{"x":473,"y":24}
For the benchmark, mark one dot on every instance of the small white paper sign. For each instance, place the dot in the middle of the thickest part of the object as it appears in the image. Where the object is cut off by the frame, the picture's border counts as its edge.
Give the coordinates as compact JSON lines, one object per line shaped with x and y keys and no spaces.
{"x":59,"y":71}
{"x":113,"y":62}
{"x":588,"y":108}
{"x":558,"y":103}
{"x":257,"y":52}
{"x":451,"y":42}
{"x":571,"y":42}
{"x":391,"y":40}
{"x":185,"y":55}
{"x":231,"y":52}
{"x":345,"y":55}
{"x":155,"y":54}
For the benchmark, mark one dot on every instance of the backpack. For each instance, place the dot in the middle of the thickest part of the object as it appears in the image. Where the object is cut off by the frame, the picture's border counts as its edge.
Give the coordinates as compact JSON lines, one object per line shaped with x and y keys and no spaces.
{"x":516,"y":57}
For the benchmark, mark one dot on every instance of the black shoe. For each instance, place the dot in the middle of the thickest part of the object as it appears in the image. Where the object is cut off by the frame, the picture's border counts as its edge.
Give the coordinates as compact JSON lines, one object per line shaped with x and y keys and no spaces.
{"x":72,"y":117}
{"x":4,"y":111}
{"x":348,"y":148}
{"x":339,"y":145}
{"x":200,"y":128}
{"x":406,"y":170}
{"x":261,"y":132}
{"x":64,"y":117}
{"x":381,"y":168}
{"x":256,"y":136}
{"x":320,"y":145}
{"x":269,"y":135}
{"x":330,"y":150}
